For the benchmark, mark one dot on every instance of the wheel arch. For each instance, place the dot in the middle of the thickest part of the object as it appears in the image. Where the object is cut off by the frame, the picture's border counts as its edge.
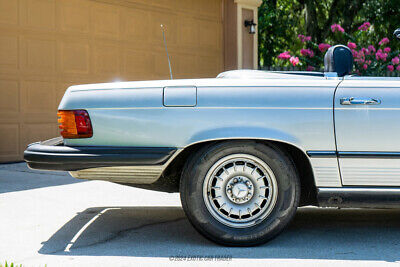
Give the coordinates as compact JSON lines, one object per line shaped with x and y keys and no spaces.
{"x":172,"y":173}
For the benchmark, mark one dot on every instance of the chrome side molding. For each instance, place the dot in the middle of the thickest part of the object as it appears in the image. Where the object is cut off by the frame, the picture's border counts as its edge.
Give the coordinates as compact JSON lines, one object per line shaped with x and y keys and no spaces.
{"x":359,"y":197}
{"x":351,"y":154}
{"x":321,"y":154}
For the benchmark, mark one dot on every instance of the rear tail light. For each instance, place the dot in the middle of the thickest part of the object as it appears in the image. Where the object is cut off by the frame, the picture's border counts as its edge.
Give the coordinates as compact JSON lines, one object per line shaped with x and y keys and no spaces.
{"x":75,"y":124}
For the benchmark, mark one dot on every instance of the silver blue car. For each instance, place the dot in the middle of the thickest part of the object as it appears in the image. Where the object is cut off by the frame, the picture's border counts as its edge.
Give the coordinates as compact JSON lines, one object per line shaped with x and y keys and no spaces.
{"x":244,"y":149}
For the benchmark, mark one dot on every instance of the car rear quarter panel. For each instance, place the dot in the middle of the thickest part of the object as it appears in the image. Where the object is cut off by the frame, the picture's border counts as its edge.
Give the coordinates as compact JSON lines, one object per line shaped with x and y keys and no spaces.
{"x":297,"y":112}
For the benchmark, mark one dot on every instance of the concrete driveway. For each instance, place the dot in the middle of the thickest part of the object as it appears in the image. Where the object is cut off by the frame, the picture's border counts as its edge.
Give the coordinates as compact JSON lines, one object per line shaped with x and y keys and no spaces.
{"x":49,"y":218}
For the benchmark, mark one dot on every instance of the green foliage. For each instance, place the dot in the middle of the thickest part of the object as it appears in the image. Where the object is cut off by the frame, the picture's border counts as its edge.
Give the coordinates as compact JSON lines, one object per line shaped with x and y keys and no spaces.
{"x":281,"y":21}
{"x":276,"y":32}
{"x":10,"y":265}
{"x":370,"y":59}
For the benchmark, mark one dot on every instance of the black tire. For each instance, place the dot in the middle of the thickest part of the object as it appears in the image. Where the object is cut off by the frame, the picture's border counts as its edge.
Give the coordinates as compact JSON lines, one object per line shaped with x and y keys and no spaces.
{"x":287,"y":201}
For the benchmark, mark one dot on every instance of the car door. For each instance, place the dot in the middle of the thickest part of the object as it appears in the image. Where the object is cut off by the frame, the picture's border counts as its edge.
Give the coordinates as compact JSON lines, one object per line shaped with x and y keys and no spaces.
{"x":367,"y":128}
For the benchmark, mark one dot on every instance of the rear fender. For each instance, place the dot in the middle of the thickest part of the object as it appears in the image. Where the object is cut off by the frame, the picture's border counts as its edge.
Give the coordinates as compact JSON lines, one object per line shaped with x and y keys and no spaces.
{"x":243,"y":133}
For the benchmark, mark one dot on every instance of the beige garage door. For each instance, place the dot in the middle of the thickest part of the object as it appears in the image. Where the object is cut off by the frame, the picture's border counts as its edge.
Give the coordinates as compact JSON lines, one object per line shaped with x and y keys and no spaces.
{"x":48,"y":45}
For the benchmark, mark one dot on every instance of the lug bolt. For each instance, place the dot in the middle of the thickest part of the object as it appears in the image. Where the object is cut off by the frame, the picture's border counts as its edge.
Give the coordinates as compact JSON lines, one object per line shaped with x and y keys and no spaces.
{"x":235,"y":180}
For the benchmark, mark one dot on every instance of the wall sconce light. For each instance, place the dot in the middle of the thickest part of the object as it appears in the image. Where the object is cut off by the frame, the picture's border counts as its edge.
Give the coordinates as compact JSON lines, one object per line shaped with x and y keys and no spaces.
{"x":251,"y":25}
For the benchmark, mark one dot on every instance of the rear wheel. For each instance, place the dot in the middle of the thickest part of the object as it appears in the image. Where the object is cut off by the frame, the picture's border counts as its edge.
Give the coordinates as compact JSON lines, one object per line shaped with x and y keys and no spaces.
{"x":239,"y":193}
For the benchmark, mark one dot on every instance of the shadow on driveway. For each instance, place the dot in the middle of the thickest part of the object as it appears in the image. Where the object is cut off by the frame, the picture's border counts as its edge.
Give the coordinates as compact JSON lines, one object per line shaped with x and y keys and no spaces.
{"x":18,"y":177}
{"x":315,"y":233}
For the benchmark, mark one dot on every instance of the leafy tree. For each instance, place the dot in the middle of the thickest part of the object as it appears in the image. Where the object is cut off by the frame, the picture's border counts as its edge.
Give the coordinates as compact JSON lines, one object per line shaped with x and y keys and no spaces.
{"x":281,"y":21}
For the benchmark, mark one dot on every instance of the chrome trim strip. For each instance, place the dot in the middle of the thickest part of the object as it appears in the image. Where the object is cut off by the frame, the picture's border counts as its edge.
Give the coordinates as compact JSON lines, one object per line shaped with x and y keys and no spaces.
{"x":321,"y":154}
{"x":351,"y":154}
{"x":215,"y":107}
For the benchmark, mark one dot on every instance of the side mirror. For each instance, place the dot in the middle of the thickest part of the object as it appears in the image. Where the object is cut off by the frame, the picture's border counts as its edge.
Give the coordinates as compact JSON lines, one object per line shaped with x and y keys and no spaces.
{"x":397,"y":33}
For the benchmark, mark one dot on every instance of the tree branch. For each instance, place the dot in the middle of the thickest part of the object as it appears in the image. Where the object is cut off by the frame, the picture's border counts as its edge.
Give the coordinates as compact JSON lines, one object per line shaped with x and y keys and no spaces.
{"x":311,"y":19}
{"x":332,"y":16}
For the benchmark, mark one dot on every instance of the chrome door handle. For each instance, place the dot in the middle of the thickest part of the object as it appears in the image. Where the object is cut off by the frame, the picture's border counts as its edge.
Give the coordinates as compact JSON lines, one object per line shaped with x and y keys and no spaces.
{"x":359,"y":101}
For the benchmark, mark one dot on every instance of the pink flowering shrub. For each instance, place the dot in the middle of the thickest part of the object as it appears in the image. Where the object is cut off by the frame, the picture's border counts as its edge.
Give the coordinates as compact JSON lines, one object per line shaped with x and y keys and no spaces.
{"x":387,"y":49}
{"x":303,"y":38}
{"x":372,"y":58}
{"x":384,"y":41}
{"x":294,"y":60}
{"x":307,"y":53}
{"x":323,"y":47}
{"x":380,"y":55}
{"x":337,"y":28}
{"x":310,"y":68}
{"x":284,"y":55}
{"x":351,"y":45}
{"x":371,"y":49}
{"x":365,"y":26}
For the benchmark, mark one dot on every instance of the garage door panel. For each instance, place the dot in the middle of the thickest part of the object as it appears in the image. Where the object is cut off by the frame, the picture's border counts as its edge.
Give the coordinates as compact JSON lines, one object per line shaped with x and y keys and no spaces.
{"x":188,"y":32}
{"x":9,"y":11}
{"x":161,"y":68}
{"x":210,"y":35}
{"x":9,"y":97}
{"x":207,"y":66}
{"x":8,"y":53}
{"x":74,"y":15}
{"x":48,"y":45}
{"x":138,"y":64}
{"x":39,"y":118}
{"x":38,"y":97}
{"x":210,"y":8}
{"x":38,"y":55}
{"x":170,"y":25}
{"x":9,"y":141}
{"x":106,"y":59}
{"x":135,"y":23}
{"x":186,"y":65}
{"x":74,"y":57}
{"x":171,"y":4}
{"x":106,"y":20}
{"x":61,"y":87}
{"x":31,"y":133}
{"x":39,"y":14}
